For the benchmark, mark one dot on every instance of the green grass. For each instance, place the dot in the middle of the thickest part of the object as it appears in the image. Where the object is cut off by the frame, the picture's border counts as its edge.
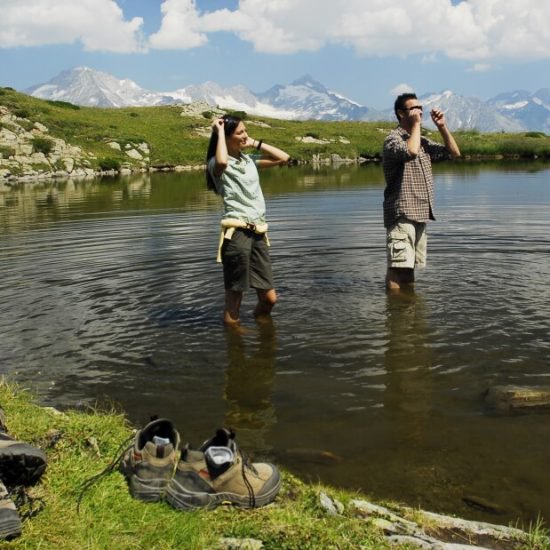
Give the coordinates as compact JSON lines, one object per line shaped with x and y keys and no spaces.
{"x":80,"y":444}
{"x":174,"y":139}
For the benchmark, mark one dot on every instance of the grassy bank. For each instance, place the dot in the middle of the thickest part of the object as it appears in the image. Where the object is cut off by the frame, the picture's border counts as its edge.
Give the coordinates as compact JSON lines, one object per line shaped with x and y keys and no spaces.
{"x":181,"y":140}
{"x":79,"y":445}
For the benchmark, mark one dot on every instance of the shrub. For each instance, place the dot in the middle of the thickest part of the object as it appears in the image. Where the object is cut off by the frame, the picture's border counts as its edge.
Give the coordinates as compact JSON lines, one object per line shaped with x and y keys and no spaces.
{"x":240,"y":114}
{"x":133,"y":114}
{"x":26,"y":124}
{"x":42,"y":145}
{"x":63,"y":104}
{"x":313,"y":135}
{"x":534,"y":134}
{"x":109,"y":163}
{"x":207,"y":114}
{"x":21,"y":113}
{"x":6,"y":152}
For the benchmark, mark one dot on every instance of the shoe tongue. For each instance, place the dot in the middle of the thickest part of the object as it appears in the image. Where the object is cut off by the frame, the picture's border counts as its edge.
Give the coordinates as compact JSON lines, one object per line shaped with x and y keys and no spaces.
{"x":159,"y":450}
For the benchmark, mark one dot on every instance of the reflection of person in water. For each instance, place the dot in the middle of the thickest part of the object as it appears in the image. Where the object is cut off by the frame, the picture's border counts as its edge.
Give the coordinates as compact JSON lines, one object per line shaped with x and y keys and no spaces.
{"x":249,"y":386}
{"x":408,"y":360}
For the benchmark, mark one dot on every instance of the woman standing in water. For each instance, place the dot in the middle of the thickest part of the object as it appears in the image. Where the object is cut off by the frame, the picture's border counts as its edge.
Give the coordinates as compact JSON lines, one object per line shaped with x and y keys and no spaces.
{"x":233,"y":174}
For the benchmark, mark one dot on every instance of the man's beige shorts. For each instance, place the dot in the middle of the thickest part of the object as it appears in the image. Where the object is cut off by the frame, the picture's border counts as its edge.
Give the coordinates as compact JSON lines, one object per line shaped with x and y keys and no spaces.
{"x":407,"y":244}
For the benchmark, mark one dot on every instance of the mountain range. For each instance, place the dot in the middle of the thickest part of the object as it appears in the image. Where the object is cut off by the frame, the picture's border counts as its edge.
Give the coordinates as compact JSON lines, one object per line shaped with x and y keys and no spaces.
{"x":305,"y":98}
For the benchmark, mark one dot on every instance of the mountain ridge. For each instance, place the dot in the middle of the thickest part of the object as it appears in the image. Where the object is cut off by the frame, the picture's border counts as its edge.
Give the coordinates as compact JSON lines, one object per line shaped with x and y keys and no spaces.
{"x":303,"y":99}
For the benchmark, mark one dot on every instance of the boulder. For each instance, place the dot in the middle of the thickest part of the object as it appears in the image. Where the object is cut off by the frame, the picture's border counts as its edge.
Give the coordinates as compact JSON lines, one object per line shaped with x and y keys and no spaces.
{"x":69,"y":164}
{"x":518,"y":398}
{"x":41,"y":128}
{"x":134,"y":154}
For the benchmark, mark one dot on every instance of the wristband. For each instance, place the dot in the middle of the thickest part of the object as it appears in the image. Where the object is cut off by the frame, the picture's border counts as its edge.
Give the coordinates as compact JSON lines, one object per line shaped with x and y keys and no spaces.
{"x":259,"y":144}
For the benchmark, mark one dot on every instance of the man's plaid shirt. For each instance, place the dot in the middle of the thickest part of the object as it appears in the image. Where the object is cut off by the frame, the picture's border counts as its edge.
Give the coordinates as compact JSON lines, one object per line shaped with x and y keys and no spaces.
{"x":409,"y":182}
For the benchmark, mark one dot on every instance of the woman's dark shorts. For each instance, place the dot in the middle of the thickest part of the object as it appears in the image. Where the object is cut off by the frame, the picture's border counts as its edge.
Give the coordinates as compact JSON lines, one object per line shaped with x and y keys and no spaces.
{"x":246,"y":262}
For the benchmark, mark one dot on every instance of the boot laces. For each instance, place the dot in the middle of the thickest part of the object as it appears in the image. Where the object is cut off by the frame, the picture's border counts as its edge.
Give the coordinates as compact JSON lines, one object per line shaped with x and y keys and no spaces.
{"x":109,"y":469}
{"x":27,"y":505}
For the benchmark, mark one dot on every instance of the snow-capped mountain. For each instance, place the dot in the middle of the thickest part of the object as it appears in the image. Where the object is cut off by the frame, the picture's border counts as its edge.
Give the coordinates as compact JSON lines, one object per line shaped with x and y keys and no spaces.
{"x":238,"y":98}
{"x":85,"y":86}
{"x":309,"y":99}
{"x":461,"y":113}
{"x":530,"y":110}
{"x":465,"y":113}
{"x":303,"y":99}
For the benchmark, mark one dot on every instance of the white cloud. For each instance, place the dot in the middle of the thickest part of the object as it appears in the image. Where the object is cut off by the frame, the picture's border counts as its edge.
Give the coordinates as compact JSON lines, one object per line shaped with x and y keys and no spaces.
{"x":401,"y":89}
{"x":472,"y":29}
{"x":481,"y":67}
{"x":180,"y":28}
{"x":431,"y":57}
{"x":98,"y":24}
{"x":479,"y":31}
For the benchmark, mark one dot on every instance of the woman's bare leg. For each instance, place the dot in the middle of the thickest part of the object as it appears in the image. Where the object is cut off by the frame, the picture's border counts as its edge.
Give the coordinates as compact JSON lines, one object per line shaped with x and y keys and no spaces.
{"x":266,"y":301}
{"x":231,"y":313}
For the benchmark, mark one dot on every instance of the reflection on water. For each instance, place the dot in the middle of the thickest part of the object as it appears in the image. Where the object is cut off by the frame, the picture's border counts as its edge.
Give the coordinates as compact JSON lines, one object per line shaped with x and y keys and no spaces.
{"x":110,"y":292}
{"x":248,"y":393}
{"x":408,"y":361}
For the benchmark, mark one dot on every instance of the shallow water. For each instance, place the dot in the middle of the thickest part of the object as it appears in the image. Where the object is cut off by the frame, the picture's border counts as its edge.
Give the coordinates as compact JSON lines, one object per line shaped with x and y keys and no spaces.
{"x":110,"y":293}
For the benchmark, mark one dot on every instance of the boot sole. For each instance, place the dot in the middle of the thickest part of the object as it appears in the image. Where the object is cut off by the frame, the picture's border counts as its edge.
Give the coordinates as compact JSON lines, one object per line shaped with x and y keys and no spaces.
{"x":10,"y":524}
{"x":21,"y":464}
{"x":183,"y":499}
{"x":151,"y":490}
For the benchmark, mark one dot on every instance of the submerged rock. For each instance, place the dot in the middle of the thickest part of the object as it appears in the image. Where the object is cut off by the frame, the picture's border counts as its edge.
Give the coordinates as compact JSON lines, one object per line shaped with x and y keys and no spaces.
{"x":483,"y":504}
{"x":316,"y":456}
{"x":518,"y":398}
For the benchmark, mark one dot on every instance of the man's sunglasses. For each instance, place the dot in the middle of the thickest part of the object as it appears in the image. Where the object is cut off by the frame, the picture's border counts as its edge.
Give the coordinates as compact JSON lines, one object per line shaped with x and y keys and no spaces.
{"x":419,"y":107}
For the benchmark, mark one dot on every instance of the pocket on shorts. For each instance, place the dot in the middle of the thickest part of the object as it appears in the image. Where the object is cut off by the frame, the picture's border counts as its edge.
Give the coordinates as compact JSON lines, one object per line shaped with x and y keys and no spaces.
{"x":397,"y":246}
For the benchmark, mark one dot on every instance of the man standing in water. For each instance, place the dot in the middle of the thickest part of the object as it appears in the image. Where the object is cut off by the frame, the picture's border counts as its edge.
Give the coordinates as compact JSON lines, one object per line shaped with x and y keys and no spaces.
{"x":408,"y":197}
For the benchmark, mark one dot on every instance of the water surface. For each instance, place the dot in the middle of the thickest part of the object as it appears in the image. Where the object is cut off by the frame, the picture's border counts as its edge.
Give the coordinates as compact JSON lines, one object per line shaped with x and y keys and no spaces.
{"x":111,"y":293}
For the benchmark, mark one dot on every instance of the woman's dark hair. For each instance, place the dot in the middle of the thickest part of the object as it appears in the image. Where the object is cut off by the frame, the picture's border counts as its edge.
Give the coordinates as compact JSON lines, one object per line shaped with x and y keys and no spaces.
{"x":230,"y":123}
{"x":400,"y":102}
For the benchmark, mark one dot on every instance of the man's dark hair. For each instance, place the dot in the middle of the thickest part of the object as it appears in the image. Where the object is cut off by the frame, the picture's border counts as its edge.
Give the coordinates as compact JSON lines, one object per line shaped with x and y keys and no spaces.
{"x":230,"y":125}
{"x":400,"y":102}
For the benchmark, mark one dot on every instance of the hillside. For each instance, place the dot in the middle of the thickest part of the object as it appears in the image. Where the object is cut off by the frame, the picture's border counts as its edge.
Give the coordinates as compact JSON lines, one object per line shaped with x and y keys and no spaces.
{"x":40,"y":138}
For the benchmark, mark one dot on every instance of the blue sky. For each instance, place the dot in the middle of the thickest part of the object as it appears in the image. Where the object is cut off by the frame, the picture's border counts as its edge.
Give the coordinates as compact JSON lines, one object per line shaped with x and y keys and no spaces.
{"x":366,"y":50}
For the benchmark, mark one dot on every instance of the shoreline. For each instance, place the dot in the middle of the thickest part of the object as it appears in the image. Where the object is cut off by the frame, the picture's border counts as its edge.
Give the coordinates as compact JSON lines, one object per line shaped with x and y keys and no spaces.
{"x":333,"y":160}
{"x":80,"y":444}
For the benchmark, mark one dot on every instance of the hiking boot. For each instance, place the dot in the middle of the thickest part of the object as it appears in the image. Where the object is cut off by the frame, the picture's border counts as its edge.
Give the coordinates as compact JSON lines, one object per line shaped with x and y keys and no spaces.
{"x":218,"y":472}
{"x":150,"y":463}
{"x":10,"y":523}
{"x":20,"y":463}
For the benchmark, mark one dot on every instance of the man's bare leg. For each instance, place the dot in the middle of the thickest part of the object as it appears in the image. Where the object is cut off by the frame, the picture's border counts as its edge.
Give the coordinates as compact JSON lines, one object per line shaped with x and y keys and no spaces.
{"x":398,"y":278}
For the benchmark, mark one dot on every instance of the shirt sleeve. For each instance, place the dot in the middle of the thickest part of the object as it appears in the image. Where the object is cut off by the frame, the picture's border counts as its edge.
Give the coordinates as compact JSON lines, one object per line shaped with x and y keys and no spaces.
{"x":437,"y":151}
{"x":218,"y":182}
{"x":395,"y":148}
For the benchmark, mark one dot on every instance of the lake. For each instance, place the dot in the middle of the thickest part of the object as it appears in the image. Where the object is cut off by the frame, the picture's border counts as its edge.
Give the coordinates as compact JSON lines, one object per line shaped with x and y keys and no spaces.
{"x":111,"y":294}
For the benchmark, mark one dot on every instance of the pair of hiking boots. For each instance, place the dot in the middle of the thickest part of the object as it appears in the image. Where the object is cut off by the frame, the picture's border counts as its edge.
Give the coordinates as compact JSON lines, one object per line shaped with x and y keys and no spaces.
{"x":21,"y":465}
{"x":217,"y":472}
